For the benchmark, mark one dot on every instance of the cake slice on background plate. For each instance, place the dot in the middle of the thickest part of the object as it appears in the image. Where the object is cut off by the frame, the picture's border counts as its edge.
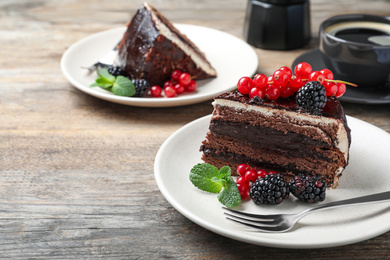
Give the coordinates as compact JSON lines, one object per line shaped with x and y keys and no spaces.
{"x":152,"y":48}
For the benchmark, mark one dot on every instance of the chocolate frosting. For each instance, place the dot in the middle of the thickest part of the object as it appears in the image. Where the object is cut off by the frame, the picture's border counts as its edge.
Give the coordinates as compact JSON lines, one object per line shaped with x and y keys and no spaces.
{"x":332,"y":108}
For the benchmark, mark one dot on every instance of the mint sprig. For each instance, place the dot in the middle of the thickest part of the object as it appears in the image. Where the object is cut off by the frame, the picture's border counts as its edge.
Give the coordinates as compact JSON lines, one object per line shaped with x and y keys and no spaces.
{"x":120,"y":85}
{"x":123,"y":87}
{"x":230,"y":196}
{"x":208,"y":178}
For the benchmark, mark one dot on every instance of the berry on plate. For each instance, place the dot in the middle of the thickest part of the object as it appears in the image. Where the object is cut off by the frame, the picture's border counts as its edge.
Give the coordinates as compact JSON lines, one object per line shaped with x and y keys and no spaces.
{"x":141,"y":87}
{"x":156,"y":91}
{"x":308,"y":188}
{"x":116,"y":71}
{"x":271,"y":189}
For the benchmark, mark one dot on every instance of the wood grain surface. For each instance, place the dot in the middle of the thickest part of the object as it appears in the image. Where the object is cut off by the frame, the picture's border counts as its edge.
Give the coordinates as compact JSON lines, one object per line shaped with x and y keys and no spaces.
{"x":76,"y":172}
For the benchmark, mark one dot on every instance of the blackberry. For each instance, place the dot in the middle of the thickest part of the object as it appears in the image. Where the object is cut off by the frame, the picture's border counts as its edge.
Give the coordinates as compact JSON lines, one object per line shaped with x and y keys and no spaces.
{"x":141,"y":87}
{"x":312,"y":97}
{"x":116,"y":71}
{"x":271,"y":189}
{"x":308,"y":188}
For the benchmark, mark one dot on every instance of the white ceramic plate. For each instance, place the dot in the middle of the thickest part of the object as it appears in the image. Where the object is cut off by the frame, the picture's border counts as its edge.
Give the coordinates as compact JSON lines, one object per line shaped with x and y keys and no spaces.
{"x":230,"y":56}
{"x":367,"y":173}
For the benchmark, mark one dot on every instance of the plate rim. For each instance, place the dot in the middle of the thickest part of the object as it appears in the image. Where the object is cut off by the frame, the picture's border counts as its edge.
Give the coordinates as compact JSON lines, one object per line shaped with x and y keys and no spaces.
{"x":150,"y":101}
{"x":231,"y":234}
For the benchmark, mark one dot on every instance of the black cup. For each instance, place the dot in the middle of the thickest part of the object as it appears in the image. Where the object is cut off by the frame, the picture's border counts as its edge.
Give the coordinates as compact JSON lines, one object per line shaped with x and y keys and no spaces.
{"x":277,"y":24}
{"x":349,"y":53}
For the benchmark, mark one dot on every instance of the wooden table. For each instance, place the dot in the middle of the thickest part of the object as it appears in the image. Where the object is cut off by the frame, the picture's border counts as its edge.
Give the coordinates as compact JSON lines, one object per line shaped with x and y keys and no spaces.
{"x":76,"y":172}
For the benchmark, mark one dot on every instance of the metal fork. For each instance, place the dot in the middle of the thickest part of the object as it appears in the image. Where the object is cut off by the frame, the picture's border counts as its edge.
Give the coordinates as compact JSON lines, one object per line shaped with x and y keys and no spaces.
{"x":106,"y":60}
{"x":284,"y":222}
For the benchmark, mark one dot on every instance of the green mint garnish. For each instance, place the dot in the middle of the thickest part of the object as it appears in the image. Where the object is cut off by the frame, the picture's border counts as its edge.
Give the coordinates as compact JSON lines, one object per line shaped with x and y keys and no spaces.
{"x":105,"y":79}
{"x":104,"y":74}
{"x":208,"y":178}
{"x":230,"y":196}
{"x":119,"y":85}
{"x":123,"y":87}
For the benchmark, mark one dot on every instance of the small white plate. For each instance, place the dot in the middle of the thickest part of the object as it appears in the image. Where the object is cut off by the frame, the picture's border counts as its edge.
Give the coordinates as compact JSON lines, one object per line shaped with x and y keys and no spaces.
{"x":230,"y":56}
{"x":367,"y":173}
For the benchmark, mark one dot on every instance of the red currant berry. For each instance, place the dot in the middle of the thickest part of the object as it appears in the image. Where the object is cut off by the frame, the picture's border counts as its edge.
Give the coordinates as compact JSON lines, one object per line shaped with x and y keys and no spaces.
{"x":261,"y":173}
{"x":280,"y":78}
{"x":273,"y":92}
{"x":296,"y":82}
{"x":175,"y":75}
{"x":287,"y":70}
{"x":303,"y":70}
{"x":192,"y":86}
{"x":260,"y":80}
{"x":317,"y":76}
{"x":179,"y":88}
{"x":242,"y":168}
{"x":272,"y":172}
{"x":168,"y":83}
{"x":253,"y":92}
{"x":327,"y":73}
{"x":243,"y":190}
{"x":330,"y":88}
{"x":245,"y":84}
{"x":259,"y":92}
{"x":156,"y":91}
{"x":341,"y":89}
{"x":170,"y":91}
{"x":270,"y":79}
{"x":185,"y":78}
{"x":250,"y":175}
{"x":286,"y":91}
{"x":242,"y":180}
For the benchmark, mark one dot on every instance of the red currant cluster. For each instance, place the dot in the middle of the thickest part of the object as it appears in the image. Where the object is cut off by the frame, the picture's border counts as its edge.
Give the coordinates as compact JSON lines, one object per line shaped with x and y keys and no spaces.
{"x":282,"y":83}
{"x":179,"y":83}
{"x":247,"y":176}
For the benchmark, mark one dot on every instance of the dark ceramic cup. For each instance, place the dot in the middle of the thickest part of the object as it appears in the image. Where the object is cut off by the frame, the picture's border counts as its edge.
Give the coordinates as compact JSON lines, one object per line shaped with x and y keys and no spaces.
{"x":356,"y":48}
{"x":277,"y":24}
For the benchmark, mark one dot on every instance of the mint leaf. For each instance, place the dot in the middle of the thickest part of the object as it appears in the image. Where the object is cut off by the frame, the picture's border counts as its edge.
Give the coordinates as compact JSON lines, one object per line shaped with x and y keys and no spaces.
{"x":100,"y":82}
{"x":207,"y":178}
{"x":105,"y":79}
{"x":123,"y":87}
{"x":230,"y":196}
{"x":106,"y":76}
{"x":225,"y":171}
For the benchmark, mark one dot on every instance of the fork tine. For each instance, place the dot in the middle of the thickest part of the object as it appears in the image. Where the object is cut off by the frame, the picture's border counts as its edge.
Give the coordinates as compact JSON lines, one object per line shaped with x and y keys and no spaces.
{"x":260,"y":228}
{"x":258,"y":222}
{"x":256,"y":216}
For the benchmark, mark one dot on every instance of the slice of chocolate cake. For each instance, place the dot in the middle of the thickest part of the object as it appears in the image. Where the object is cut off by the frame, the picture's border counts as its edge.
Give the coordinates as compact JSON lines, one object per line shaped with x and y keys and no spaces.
{"x":152,"y":48}
{"x":277,"y":135}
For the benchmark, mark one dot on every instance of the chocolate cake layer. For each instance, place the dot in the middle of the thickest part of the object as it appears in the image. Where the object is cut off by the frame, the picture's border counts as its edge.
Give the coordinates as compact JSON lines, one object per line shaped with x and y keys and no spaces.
{"x":302,"y":160}
{"x":152,"y":48}
{"x":220,"y":159}
{"x":305,"y":152}
{"x":277,"y":136}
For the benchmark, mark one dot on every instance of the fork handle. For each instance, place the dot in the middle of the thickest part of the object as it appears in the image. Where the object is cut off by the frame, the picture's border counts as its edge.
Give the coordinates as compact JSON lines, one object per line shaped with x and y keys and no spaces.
{"x":378,"y":197}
